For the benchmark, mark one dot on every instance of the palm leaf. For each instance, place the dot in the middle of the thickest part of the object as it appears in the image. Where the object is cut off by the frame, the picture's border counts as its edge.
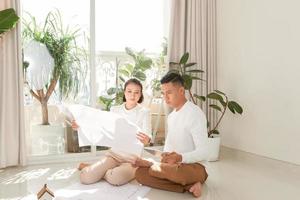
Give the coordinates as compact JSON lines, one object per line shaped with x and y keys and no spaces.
{"x":184,"y":58}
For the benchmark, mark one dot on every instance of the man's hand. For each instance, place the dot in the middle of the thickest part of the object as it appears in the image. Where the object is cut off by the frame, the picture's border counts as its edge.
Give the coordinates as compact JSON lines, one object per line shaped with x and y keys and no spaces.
{"x":145,"y":139}
{"x":139,"y":162}
{"x":171,"y":158}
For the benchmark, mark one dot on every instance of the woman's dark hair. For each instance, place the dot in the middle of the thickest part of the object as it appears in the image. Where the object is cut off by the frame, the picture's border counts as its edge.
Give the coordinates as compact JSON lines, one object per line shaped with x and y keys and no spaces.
{"x":136,"y":82}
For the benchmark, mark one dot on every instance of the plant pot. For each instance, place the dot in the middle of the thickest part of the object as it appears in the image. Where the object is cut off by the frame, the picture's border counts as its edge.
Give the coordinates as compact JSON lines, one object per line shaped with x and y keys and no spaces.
{"x":72,"y":142}
{"x":214,"y":148}
{"x":47,"y":139}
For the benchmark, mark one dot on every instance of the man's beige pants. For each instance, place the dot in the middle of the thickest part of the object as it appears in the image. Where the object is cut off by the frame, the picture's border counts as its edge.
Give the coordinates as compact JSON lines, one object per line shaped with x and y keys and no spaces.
{"x":171,"y":177}
{"x":113,"y":168}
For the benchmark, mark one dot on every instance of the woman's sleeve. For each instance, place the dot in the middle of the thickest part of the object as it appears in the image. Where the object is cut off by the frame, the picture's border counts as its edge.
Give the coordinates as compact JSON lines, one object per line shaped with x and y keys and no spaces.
{"x":146,"y":127}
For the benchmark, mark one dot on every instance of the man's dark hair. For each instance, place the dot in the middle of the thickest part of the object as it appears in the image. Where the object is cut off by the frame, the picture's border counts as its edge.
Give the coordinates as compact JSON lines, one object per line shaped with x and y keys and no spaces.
{"x":136,"y":82}
{"x":172,"y":77}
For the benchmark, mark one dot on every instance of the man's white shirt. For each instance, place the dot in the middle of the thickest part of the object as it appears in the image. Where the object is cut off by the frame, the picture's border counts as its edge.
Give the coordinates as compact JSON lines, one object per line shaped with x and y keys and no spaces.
{"x":187,"y":133}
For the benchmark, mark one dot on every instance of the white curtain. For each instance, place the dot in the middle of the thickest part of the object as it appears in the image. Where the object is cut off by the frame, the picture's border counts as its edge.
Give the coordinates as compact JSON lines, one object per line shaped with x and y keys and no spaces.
{"x":193,"y":30}
{"x":12,"y":136}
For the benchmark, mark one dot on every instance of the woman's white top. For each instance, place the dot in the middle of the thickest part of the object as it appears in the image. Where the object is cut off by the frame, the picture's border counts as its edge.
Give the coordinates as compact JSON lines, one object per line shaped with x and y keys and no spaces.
{"x":138,"y":115}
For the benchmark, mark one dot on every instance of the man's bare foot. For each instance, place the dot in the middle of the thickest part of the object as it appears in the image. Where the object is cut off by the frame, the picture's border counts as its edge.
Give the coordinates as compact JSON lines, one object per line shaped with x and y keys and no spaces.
{"x":83,"y":165}
{"x":196,"y":189}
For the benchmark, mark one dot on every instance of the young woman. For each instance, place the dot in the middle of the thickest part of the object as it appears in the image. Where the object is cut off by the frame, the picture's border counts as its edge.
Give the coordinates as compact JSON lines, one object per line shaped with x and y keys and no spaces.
{"x":113,"y":167}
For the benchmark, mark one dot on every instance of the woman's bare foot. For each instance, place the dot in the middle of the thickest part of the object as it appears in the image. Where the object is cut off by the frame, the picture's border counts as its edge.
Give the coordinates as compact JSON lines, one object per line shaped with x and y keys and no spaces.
{"x":196,"y":189}
{"x":83,"y":165}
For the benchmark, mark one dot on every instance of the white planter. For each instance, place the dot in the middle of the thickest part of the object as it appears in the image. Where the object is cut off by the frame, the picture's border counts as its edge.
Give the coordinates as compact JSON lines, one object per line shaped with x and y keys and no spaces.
{"x":47,"y":139}
{"x":213,"y":148}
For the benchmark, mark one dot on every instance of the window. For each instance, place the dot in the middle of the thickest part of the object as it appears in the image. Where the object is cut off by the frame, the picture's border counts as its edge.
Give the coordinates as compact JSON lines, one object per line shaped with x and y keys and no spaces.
{"x":138,"y":24}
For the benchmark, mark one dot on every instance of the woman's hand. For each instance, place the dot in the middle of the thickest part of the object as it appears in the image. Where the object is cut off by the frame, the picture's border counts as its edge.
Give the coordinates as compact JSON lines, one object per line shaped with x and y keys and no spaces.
{"x":74,"y":125}
{"x":145,"y":139}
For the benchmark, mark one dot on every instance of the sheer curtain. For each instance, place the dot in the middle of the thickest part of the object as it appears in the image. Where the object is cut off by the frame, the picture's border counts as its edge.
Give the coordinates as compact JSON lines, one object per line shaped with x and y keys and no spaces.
{"x":12,"y":137}
{"x":193,"y":30}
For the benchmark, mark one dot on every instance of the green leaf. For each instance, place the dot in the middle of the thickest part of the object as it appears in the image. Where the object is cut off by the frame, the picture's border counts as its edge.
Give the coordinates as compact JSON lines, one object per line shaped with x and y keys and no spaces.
{"x":215,"y":96}
{"x":8,"y":19}
{"x":197,"y":78}
{"x":215,"y":107}
{"x":111,"y":91}
{"x":236,"y":106}
{"x":222,"y":93}
{"x":231,"y":107}
{"x":223,"y":103}
{"x":195,"y":71}
{"x":173,"y":71}
{"x":144,"y":64}
{"x":122,"y":79}
{"x":201,"y":98}
{"x":106,"y":102}
{"x":130,"y":52}
{"x":188,"y":81}
{"x":215,"y":131}
{"x":184,"y":58}
{"x":173,"y":63}
{"x":207,"y":124}
{"x":140,"y":75}
{"x":189,"y":65}
{"x":124,"y":72}
{"x":129,"y":67}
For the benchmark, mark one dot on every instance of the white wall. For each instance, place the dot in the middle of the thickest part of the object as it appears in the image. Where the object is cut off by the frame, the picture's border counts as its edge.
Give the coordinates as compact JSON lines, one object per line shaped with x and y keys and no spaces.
{"x":259,"y":66}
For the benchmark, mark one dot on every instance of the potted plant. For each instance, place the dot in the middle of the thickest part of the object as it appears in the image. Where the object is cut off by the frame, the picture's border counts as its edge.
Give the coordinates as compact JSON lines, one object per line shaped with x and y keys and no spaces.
{"x":68,"y":69}
{"x":219,"y":101}
{"x":8,"y":19}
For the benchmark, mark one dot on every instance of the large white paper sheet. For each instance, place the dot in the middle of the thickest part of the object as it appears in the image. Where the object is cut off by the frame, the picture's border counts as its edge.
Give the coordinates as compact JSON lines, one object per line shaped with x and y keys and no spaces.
{"x":104,"y":129}
{"x":125,"y":138}
{"x":102,"y":190}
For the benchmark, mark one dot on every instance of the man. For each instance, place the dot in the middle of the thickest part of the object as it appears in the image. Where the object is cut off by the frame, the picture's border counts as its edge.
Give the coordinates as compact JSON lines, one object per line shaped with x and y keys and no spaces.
{"x":185,"y":145}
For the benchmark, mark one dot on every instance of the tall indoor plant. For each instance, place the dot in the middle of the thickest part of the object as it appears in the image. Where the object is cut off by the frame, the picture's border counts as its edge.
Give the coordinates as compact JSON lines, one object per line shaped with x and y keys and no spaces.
{"x":222,"y":102}
{"x":218,"y":101}
{"x":60,"y":41}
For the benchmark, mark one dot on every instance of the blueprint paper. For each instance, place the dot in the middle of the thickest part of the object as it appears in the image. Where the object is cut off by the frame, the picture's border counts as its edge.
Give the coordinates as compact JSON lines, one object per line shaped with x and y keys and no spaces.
{"x":125,"y":138}
{"x":104,"y":128}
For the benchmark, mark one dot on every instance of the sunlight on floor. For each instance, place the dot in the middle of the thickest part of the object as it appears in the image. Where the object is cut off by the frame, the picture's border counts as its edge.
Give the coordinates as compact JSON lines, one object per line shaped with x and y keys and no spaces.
{"x":25,"y":176}
{"x":62,"y":174}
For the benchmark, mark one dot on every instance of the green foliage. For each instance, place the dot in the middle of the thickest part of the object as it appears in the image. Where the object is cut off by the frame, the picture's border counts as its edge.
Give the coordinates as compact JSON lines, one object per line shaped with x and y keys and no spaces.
{"x":135,"y":69}
{"x":107,"y":102}
{"x":70,"y":60}
{"x":184,"y":69}
{"x":8,"y":19}
{"x":220,"y":99}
